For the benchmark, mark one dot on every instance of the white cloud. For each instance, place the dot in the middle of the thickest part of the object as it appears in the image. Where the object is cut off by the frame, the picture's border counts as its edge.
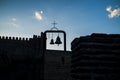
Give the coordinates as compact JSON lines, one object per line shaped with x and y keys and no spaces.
{"x":41,"y":12}
{"x":13,"y":19}
{"x":38,"y":15}
{"x":113,"y":13}
{"x":109,"y":9}
{"x":14,"y":23}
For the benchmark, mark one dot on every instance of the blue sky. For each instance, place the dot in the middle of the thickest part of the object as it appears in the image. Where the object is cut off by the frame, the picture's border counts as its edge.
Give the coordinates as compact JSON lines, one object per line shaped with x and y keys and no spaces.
{"x":24,"y":18}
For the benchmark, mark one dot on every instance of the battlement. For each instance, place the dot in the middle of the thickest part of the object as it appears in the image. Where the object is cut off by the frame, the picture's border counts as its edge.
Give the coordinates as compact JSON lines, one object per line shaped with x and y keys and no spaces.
{"x":18,"y":38}
{"x":14,"y":38}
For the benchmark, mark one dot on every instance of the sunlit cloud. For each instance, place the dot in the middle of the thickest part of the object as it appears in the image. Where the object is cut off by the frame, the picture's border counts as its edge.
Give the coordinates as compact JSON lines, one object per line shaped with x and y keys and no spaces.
{"x":38,"y":15}
{"x":113,"y":13}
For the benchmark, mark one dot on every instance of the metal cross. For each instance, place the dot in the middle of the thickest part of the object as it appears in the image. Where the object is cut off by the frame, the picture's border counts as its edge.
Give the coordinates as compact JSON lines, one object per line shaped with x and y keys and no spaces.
{"x":54,"y":23}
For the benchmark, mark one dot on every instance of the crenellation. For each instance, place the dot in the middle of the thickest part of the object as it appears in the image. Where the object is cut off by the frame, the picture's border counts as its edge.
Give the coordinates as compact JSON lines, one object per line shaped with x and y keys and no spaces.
{"x":3,"y":37}
{"x":13,"y":38}
{"x":10,"y":38}
{"x":30,"y":39}
{"x":6,"y":37}
{"x":20,"y":39}
{"x":16,"y":38}
{"x":35,"y":36}
{"x":23,"y":39}
{"x":23,"y":55}
{"x":26,"y":39}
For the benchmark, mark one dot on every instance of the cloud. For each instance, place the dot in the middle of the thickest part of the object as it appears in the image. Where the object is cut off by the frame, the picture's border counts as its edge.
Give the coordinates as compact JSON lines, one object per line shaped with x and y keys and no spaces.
{"x":113,"y":13}
{"x":13,"y":19}
{"x":14,"y":22}
{"x":109,"y":9}
{"x":38,"y":15}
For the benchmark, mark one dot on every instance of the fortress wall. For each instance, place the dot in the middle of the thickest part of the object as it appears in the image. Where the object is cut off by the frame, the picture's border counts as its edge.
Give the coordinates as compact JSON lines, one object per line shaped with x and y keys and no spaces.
{"x":57,"y":65}
{"x":13,"y":38}
{"x":19,"y":45}
{"x":20,"y":58}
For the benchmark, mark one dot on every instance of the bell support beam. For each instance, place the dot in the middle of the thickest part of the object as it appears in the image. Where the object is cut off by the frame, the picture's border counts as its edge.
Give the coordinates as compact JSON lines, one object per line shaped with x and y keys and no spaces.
{"x":55,"y":31}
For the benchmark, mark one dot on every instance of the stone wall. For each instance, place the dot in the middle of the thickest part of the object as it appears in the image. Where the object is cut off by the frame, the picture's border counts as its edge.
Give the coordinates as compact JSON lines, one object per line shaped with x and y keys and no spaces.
{"x":15,"y":45}
{"x":96,"y":57}
{"x":21,"y":58}
{"x":57,"y":65}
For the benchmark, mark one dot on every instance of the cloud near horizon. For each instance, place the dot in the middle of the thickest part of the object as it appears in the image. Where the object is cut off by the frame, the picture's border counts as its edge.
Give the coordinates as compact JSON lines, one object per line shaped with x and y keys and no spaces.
{"x":113,"y":13}
{"x":14,"y":22}
{"x":38,"y":15}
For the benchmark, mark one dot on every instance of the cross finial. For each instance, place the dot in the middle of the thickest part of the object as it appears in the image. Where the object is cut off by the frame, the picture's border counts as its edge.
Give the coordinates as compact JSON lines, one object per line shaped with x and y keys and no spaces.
{"x":54,"y":23}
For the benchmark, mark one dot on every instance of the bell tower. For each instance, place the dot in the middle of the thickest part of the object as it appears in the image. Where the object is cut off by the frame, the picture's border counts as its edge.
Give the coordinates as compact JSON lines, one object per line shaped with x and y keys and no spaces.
{"x":55,"y":30}
{"x":56,"y":62}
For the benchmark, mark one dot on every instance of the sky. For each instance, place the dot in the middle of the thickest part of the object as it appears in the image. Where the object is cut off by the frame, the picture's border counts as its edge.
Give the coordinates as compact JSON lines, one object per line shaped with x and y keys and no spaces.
{"x":25,"y":18}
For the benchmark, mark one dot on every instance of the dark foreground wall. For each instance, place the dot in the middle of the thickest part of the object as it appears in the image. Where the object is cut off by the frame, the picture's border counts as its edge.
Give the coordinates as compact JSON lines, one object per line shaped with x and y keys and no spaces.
{"x":25,"y":59}
{"x":96,"y":57}
{"x":57,"y":65}
{"x":20,"y":67}
{"x":21,"y":58}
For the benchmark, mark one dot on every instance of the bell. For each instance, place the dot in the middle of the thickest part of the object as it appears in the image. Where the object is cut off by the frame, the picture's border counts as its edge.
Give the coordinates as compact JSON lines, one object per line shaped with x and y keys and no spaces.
{"x":52,"y":42}
{"x":58,"y":41}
